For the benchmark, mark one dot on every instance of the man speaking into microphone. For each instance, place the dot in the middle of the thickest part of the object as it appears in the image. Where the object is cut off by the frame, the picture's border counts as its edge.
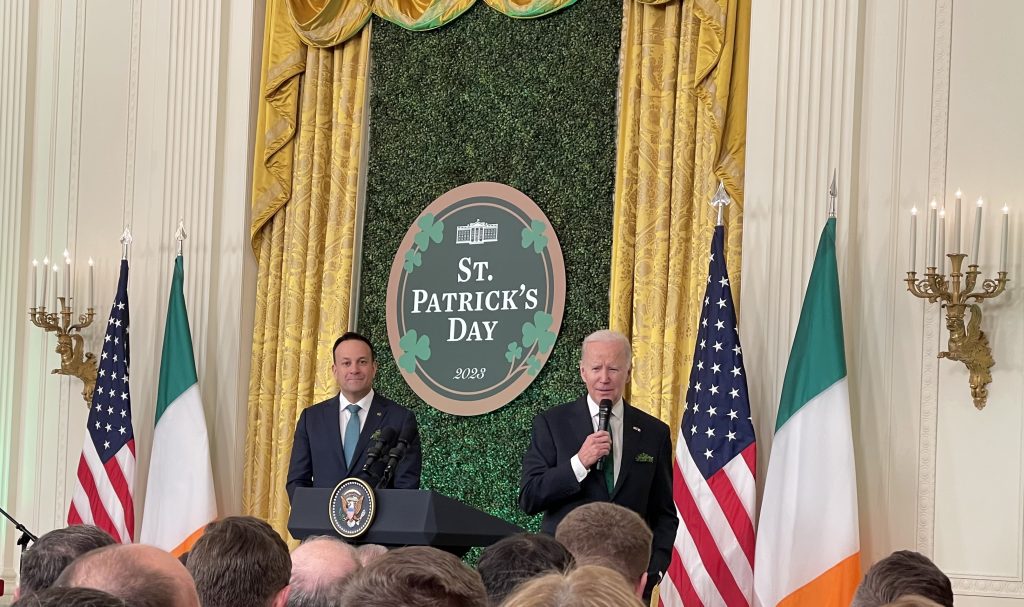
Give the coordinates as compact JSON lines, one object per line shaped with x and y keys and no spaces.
{"x":348,"y":434}
{"x":572,"y":460}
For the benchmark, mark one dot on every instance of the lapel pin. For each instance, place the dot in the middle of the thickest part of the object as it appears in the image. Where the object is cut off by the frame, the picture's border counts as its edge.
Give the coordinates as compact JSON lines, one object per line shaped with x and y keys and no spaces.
{"x":636,"y":428}
{"x":378,"y":414}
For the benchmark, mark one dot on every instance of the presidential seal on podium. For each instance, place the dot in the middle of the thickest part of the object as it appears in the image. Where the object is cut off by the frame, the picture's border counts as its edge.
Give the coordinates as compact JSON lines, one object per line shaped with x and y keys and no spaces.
{"x":352,"y":507}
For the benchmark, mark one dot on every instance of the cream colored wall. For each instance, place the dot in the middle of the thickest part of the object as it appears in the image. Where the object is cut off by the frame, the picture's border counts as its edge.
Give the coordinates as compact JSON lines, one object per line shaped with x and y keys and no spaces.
{"x":909,"y":100}
{"x":115,"y":113}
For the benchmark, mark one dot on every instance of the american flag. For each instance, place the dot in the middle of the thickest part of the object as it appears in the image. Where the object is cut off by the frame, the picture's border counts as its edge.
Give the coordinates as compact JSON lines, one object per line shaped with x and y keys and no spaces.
{"x":106,"y":470}
{"x":713,"y":474}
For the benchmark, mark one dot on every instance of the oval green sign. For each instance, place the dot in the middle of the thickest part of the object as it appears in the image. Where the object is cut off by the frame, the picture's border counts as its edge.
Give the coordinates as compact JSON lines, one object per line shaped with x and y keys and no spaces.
{"x":475,"y":298}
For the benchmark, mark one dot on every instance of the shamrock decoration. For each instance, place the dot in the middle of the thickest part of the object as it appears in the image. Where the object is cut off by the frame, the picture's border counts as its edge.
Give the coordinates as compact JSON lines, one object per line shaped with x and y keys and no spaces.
{"x":535,"y":235}
{"x":514,"y":352}
{"x":537,"y":332}
{"x":533,"y":366}
{"x":429,"y":230}
{"x":414,"y":347}
{"x":413,"y":259}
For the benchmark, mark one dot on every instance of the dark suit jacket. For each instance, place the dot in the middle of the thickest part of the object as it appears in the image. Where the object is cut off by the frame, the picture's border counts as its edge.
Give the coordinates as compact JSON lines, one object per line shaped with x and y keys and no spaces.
{"x":549,"y":485}
{"x":317,"y":456}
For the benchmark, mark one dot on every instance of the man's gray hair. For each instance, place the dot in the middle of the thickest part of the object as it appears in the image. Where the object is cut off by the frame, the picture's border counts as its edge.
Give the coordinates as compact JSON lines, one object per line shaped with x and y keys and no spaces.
{"x":609,"y":336}
{"x":902,"y":573}
{"x":322,"y":588}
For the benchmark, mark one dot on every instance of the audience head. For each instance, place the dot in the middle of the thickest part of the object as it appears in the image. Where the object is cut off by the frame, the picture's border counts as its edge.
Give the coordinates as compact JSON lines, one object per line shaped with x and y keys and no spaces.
{"x":606,"y":534}
{"x":240,"y":560}
{"x":586,"y":586}
{"x":53,"y":552}
{"x":370,"y":552}
{"x":517,"y":558}
{"x":416,"y":576}
{"x":70,"y":597}
{"x":144,"y":575}
{"x":900,"y":574}
{"x":321,"y":567}
{"x":913,"y":600}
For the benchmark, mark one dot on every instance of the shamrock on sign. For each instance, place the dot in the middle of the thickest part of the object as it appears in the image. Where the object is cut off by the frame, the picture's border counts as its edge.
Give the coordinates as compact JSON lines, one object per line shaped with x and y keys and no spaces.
{"x":535,"y":235}
{"x":514,"y":352}
{"x":413,"y":259}
{"x":538,"y":332}
{"x":414,"y":347}
{"x":533,"y":365}
{"x":429,"y":230}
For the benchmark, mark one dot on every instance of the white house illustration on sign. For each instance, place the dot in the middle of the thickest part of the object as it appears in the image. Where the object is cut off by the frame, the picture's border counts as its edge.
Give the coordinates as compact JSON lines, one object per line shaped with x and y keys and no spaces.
{"x":476,"y":232}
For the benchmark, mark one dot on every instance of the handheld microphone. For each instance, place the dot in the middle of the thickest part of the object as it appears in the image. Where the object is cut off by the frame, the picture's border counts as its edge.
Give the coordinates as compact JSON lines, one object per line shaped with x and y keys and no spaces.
{"x":397,"y":453}
{"x":604,"y":411}
{"x":384,"y":439}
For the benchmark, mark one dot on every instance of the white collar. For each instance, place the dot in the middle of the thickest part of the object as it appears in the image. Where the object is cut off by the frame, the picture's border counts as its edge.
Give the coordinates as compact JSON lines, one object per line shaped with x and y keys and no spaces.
{"x":616,"y":408}
{"x":363,"y":403}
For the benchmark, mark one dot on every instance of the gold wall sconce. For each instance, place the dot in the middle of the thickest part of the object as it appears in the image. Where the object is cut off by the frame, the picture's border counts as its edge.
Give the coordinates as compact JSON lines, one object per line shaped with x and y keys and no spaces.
{"x":967,"y":342}
{"x":74,"y":360}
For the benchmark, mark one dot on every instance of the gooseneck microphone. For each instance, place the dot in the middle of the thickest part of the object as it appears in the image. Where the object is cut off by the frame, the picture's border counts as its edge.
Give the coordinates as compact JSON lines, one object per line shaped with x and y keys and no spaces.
{"x":604,"y":411}
{"x":396,"y":454}
{"x":385,"y":439}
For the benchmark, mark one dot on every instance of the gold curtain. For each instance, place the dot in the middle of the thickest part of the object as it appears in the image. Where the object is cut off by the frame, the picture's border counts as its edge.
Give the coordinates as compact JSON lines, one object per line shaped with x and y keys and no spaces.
{"x":304,"y":250}
{"x":682,"y":126}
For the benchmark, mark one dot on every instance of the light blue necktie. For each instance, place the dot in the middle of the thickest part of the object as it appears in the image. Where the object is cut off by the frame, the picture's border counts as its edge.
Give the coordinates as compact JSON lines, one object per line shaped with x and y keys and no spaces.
{"x":351,"y":434}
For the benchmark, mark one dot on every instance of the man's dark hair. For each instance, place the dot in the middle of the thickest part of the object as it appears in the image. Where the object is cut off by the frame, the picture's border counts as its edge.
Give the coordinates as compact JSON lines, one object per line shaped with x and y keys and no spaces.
{"x":899,"y":574}
{"x":239,"y":560}
{"x":43,"y":563}
{"x":416,"y":576}
{"x":70,"y":597}
{"x":356,"y":336}
{"x":517,"y":558}
{"x":119,"y":571}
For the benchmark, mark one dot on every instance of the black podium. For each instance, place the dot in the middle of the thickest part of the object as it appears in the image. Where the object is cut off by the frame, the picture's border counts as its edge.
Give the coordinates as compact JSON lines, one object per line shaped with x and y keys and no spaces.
{"x":404,"y":518}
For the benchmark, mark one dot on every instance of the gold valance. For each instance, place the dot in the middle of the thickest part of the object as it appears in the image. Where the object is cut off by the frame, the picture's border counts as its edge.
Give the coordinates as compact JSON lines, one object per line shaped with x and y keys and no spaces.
{"x":326,"y":23}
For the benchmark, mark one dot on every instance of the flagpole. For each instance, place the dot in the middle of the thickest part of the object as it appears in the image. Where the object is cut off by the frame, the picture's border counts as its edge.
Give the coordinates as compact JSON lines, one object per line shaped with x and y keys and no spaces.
{"x":832,"y":195}
{"x":720,"y":201}
{"x":126,"y":241}
{"x":180,"y":235}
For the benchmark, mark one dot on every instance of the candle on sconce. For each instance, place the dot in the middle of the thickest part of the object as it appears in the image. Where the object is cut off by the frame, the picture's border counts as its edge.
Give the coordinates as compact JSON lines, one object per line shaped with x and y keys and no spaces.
{"x":1006,"y":232}
{"x":940,"y":238}
{"x":35,"y":280}
{"x":975,"y":258}
{"x":67,"y":278}
{"x":46,"y":279}
{"x":929,"y":245}
{"x":92,"y":303}
{"x":913,"y":238}
{"x":959,"y":196}
{"x":56,"y":296}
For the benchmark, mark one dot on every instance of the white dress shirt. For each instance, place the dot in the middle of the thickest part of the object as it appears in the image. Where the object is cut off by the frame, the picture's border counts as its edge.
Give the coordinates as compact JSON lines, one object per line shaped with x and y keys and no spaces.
{"x":364,"y":408}
{"x":614,"y":428}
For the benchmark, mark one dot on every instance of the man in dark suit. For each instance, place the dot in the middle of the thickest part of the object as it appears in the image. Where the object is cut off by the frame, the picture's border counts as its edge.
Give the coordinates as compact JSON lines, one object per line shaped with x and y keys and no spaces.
{"x":332,"y":437}
{"x":559,"y":471}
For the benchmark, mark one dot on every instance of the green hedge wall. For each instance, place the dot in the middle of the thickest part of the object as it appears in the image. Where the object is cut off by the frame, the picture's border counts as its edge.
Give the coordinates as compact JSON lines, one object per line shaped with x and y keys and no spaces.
{"x":489,"y":98}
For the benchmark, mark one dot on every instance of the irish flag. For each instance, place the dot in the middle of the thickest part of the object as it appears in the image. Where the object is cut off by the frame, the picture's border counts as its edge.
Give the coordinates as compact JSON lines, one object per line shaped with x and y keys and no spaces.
{"x":808,"y":546}
{"x":179,"y":498}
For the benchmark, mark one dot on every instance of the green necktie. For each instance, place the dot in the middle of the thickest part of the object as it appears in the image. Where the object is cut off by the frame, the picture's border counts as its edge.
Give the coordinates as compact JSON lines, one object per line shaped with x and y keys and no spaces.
{"x":348,"y":444}
{"x":609,"y":468}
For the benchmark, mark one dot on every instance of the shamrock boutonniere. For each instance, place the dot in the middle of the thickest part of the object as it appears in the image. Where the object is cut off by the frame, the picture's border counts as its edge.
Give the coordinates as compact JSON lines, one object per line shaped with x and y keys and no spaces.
{"x":375,"y":435}
{"x":645,"y":458}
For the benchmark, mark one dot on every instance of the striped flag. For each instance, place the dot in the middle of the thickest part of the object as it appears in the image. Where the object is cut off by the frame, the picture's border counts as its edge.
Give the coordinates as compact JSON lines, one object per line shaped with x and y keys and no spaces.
{"x":713,"y":485}
{"x":106,"y":469}
{"x":180,"y":498}
{"x":808,"y":546}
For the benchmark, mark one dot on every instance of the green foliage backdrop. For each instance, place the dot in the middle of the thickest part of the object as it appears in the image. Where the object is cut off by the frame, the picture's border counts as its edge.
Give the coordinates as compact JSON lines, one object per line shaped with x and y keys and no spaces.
{"x":528,"y":103}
